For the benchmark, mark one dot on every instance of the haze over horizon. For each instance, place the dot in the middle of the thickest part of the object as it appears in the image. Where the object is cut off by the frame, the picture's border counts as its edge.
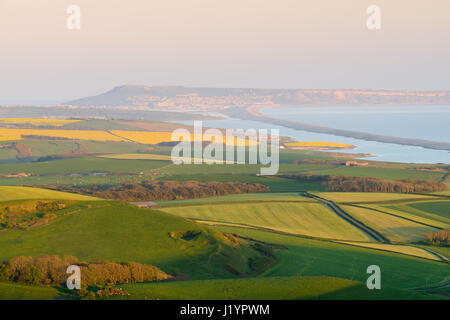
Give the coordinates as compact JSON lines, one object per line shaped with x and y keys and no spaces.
{"x":282,"y":44}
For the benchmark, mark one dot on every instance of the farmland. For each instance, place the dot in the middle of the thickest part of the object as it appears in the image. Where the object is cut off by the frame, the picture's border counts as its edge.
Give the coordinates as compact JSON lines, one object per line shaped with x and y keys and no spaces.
{"x":10,"y":291}
{"x":38,"y":121}
{"x":25,"y":193}
{"x":286,"y":288}
{"x":360,"y":197}
{"x":275,"y":242}
{"x":131,"y":234}
{"x":310,"y":219}
{"x":394,"y":228}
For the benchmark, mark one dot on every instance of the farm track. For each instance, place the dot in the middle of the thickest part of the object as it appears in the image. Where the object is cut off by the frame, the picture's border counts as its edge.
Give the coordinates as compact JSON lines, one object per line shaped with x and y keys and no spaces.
{"x":264,"y":229}
{"x":116,"y":135}
{"x":394,"y":215}
{"x":441,"y":256}
{"x":344,"y":215}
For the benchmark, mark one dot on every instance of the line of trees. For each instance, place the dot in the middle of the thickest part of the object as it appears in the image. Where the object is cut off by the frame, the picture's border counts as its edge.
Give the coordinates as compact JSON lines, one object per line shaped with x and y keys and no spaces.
{"x":164,"y":190}
{"x":51,"y":270}
{"x":364,"y":184}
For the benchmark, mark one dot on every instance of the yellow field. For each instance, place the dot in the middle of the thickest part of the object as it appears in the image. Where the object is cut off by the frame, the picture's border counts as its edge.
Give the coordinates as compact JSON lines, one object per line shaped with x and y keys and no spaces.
{"x":37,"y":121}
{"x":144,"y":137}
{"x":409,"y":250}
{"x":136,"y":156}
{"x":319,"y":144}
{"x":157,"y":137}
{"x":28,"y":193}
{"x":97,"y":135}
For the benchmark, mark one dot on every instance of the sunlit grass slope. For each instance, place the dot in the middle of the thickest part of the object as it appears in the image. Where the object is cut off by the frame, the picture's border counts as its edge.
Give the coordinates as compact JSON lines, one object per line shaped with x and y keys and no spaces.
{"x":394,"y":228}
{"x":28,"y":193}
{"x":115,"y":231}
{"x":310,"y":219}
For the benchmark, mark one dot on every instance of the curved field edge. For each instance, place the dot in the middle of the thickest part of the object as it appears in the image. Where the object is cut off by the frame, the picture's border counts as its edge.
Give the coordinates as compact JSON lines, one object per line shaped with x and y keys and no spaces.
{"x":301,"y":218}
{"x":403,"y":211}
{"x":312,"y":257}
{"x":396,"y":229}
{"x":30,"y":193}
{"x":407,"y":250}
{"x":357,"y":197}
{"x":120,"y":232}
{"x":269,"y":288}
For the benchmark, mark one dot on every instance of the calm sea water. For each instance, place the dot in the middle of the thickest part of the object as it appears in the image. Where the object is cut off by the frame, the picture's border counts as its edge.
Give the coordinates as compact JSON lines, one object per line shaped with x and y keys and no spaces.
{"x":421,"y":122}
{"x":410,"y":122}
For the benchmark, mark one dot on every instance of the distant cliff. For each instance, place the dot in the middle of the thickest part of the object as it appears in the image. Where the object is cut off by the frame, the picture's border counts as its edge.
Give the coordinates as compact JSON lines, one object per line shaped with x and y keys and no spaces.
{"x":177,"y":97}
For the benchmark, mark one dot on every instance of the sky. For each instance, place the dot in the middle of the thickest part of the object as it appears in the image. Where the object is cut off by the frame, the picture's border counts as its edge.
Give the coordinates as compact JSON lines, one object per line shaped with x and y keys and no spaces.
{"x":216,"y":43}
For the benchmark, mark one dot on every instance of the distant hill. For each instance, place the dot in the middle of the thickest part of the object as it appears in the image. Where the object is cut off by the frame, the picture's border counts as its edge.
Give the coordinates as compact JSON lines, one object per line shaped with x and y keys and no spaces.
{"x":176,"y":97}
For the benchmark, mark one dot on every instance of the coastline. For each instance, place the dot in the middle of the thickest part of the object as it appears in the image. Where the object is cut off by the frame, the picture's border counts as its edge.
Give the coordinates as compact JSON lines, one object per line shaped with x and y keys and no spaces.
{"x":253,"y":113}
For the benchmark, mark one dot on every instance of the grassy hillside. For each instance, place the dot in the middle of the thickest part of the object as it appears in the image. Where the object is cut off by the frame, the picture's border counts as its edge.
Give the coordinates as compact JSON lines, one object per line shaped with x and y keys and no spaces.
{"x":310,"y":219}
{"x":121,"y":232}
{"x":309,"y":257}
{"x":14,"y":291}
{"x":28,"y":193}
{"x":286,"y":288}
{"x":408,"y":250}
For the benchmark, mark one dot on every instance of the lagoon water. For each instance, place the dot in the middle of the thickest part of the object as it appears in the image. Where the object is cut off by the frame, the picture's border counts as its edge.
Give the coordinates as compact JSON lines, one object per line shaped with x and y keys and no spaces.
{"x":427,"y":122}
{"x":420,"y":122}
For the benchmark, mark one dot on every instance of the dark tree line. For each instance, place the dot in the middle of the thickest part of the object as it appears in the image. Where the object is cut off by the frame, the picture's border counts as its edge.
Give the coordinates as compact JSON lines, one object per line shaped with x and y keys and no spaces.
{"x":363,"y":184}
{"x":164,"y":190}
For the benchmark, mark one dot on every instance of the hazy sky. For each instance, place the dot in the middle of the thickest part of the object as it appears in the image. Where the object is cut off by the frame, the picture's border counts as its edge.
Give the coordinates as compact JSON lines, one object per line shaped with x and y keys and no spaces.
{"x":220,"y":43}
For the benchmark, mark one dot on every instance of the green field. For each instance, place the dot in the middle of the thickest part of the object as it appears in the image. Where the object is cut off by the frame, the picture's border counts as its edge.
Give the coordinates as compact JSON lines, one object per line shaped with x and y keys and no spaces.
{"x":278,"y":244}
{"x":82,"y":165}
{"x":309,"y":219}
{"x":382,"y":173}
{"x":74,"y":180}
{"x":14,"y":291}
{"x":121,"y":232}
{"x":310,"y":257}
{"x":357,"y":197}
{"x":271,"y":288}
{"x":286,"y":196}
{"x":409,"y":210}
{"x":408,"y":250}
{"x":394,"y":228}
{"x":437,"y":208}
{"x":27,"y":193}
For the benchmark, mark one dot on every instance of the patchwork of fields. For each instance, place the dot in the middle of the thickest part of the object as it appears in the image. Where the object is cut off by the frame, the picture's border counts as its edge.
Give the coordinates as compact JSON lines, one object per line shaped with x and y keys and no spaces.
{"x":277,"y":244}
